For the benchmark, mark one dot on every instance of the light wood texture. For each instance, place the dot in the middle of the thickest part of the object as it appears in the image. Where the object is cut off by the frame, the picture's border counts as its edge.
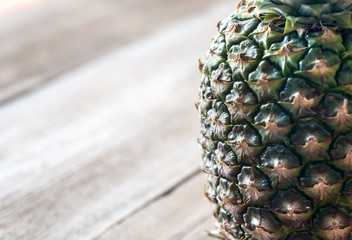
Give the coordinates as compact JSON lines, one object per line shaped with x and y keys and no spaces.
{"x":167,"y":220}
{"x":47,"y":39}
{"x":92,"y":147}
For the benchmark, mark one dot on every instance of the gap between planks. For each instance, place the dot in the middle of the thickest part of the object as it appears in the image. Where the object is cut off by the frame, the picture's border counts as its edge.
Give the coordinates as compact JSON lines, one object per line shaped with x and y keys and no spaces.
{"x":184,"y":214}
{"x":154,"y":201}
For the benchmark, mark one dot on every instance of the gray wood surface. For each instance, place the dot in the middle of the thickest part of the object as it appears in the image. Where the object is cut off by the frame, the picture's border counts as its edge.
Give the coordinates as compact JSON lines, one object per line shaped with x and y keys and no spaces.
{"x":167,"y":220}
{"x":53,"y":36}
{"x":104,"y":142}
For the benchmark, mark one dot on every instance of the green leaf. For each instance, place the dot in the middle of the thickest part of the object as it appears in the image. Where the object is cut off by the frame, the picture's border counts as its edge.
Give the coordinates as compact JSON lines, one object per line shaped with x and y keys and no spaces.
{"x":314,"y":10}
{"x":291,"y":24}
{"x":343,"y":19}
{"x":269,"y":17}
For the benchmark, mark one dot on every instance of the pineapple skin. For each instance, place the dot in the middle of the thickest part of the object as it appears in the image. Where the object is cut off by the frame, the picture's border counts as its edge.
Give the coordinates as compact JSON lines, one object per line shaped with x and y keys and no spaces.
{"x":275,"y":104}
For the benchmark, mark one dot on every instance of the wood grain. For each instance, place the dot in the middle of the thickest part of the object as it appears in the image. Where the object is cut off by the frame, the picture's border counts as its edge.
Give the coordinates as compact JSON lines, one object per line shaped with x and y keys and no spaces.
{"x":185,"y":214}
{"x":44,"y":40}
{"x":86,"y":150}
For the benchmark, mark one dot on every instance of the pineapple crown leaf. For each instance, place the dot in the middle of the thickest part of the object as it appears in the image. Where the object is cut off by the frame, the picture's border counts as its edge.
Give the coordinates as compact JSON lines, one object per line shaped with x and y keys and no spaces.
{"x":306,"y":12}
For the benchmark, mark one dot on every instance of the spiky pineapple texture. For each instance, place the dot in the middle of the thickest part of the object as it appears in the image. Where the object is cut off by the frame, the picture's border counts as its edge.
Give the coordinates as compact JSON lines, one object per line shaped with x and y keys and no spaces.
{"x":276,"y":121}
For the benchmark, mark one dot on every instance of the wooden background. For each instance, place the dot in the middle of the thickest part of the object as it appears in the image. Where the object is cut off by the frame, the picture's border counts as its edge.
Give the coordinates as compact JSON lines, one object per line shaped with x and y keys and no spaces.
{"x":98,"y":126}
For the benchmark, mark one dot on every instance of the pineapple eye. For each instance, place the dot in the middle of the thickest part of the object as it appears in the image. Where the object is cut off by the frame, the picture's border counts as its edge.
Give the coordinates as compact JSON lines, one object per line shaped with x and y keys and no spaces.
{"x":333,"y":222}
{"x":255,"y":221}
{"x":247,"y":181}
{"x":311,"y":138}
{"x":276,"y":162}
{"x":289,"y":207}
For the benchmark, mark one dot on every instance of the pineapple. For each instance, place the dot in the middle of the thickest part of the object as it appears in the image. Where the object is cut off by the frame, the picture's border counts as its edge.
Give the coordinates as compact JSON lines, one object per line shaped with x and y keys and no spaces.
{"x":276,"y":121}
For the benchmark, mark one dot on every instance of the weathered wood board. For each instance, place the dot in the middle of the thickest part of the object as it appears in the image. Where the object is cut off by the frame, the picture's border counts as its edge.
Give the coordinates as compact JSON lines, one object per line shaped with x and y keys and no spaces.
{"x":42,"y":41}
{"x":165,"y":219}
{"x":97,"y":143}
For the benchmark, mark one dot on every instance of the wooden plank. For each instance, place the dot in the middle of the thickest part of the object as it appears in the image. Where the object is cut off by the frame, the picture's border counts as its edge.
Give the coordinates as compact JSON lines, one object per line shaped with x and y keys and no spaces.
{"x":44,"y":40}
{"x":185,"y":214}
{"x":85,"y":151}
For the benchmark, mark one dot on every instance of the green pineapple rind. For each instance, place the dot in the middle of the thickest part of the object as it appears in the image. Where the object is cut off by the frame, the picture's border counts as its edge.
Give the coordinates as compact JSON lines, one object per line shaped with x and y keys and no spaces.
{"x":276,"y":126}
{"x":298,"y":13}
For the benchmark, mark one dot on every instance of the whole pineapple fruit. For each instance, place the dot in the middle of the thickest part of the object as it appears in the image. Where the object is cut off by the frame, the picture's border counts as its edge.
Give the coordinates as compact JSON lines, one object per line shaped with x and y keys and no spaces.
{"x":276,"y":121}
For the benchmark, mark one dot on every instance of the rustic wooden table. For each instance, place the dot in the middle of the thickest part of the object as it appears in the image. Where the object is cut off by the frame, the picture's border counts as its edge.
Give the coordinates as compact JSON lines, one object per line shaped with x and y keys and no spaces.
{"x":98,"y":125}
